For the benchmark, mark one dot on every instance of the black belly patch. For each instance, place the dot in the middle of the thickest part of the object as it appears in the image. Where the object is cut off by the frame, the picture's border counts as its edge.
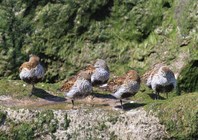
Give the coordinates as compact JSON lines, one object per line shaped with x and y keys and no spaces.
{"x":167,"y":88}
{"x":97,"y":82}
{"x":32,"y":80}
{"x":127,"y":95}
{"x":80,"y":95}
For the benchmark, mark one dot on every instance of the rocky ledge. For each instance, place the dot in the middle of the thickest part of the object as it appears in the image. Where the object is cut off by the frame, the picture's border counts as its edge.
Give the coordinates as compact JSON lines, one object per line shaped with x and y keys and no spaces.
{"x":89,"y":123}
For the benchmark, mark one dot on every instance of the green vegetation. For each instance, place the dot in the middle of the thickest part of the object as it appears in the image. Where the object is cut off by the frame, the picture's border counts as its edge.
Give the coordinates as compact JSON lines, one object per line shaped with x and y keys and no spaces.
{"x":188,"y":79}
{"x":66,"y":122}
{"x":179,"y":115}
{"x":19,"y":89}
{"x":3,"y":136}
{"x":2,"y":117}
{"x":47,"y":118}
{"x":44,"y":124}
{"x":101,"y":126}
{"x":23,"y":131}
{"x":69,"y":34}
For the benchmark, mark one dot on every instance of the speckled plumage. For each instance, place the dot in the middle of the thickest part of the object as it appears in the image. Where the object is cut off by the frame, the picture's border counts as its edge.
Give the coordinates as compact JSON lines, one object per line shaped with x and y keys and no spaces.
{"x":129,"y":87}
{"x":70,"y":82}
{"x":115,"y":83}
{"x":32,"y":71}
{"x":81,"y":87}
{"x":101,"y":73}
{"x":161,"y":79}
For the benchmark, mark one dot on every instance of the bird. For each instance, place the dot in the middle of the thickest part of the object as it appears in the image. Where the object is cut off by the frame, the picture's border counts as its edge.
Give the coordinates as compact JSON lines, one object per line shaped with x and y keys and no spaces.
{"x":32,"y":71}
{"x":100,"y":73}
{"x":161,"y":80}
{"x":79,"y":87}
{"x":126,"y":86}
{"x":69,"y":82}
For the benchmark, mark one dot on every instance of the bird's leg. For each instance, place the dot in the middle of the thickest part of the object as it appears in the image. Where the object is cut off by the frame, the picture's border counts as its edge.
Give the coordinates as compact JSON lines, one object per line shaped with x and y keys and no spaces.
{"x":166,"y":95}
{"x":121,"y":103}
{"x":156,"y":95}
{"x":92,"y":97}
{"x":72,"y":104}
{"x":32,"y":90}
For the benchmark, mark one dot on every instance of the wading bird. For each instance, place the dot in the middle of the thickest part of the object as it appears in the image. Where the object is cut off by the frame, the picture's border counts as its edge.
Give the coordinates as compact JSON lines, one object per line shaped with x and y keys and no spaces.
{"x":161,"y":80}
{"x":32,"y":71}
{"x":100,"y":73}
{"x":79,"y":86}
{"x":125,"y":86}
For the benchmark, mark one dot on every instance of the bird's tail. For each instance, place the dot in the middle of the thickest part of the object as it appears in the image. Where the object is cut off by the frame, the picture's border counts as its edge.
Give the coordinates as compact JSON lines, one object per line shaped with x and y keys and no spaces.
{"x":113,"y":96}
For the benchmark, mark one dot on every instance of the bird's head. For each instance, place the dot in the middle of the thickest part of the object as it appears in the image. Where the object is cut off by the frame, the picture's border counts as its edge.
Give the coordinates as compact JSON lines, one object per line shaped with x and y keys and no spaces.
{"x":132,"y":74}
{"x":100,"y":63}
{"x":34,"y":59}
{"x":164,"y":71}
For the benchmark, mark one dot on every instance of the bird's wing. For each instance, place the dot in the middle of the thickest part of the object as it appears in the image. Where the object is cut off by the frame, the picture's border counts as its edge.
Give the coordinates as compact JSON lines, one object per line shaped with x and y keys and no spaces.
{"x":90,"y":69}
{"x":147,"y":74}
{"x":25,"y":65}
{"x":68,"y":84}
{"x":115,"y":83}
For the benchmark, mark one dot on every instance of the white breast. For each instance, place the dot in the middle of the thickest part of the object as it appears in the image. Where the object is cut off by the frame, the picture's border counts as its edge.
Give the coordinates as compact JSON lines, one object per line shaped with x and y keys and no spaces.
{"x":81,"y":87}
{"x":100,"y":74}
{"x":163,"y":81}
{"x":131,"y":87}
{"x":38,"y":72}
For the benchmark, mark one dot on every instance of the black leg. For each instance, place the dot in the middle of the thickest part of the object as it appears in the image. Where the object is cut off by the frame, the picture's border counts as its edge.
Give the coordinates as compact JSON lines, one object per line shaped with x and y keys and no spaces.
{"x":156,"y":95}
{"x":121,"y":103}
{"x":92,"y":97}
{"x":72,"y":104}
{"x":166,"y":95}
{"x":32,"y":90}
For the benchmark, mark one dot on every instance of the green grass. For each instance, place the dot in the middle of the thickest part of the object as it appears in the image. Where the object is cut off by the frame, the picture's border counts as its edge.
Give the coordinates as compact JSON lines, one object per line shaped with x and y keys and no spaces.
{"x":121,"y":32}
{"x":19,"y":89}
{"x":178,"y":114}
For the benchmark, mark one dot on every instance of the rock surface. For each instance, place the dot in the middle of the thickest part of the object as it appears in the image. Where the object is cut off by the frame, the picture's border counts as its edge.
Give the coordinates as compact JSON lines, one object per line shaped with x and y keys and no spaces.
{"x":90,"y":123}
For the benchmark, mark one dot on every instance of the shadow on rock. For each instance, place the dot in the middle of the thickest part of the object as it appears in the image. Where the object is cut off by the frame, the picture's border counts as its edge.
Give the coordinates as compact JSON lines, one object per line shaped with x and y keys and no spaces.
{"x":153,"y":96}
{"x":103,"y":96}
{"x":47,"y":96}
{"x":130,"y":106}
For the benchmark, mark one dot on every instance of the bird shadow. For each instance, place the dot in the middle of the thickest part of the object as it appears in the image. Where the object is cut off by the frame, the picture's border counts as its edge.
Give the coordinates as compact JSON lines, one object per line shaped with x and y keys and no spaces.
{"x":153,"y":96}
{"x":103,"y":96}
{"x":130,"y":106}
{"x":38,"y":92}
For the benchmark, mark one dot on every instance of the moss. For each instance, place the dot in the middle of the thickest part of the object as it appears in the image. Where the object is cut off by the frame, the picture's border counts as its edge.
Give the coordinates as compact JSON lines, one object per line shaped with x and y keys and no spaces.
{"x":102,"y":126}
{"x":66,"y":122}
{"x":23,"y":131}
{"x":3,"y":135}
{"x":188,"y":78}
{"x":19,"y":89}
{"x":2,"y":117}
{"x":179,"y":115}
{"x":47,"y":118}
{"x":113,"y":136}
{"x":186,"y":22}
{"x":113,"y":119}
{"x":122,"y":32}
